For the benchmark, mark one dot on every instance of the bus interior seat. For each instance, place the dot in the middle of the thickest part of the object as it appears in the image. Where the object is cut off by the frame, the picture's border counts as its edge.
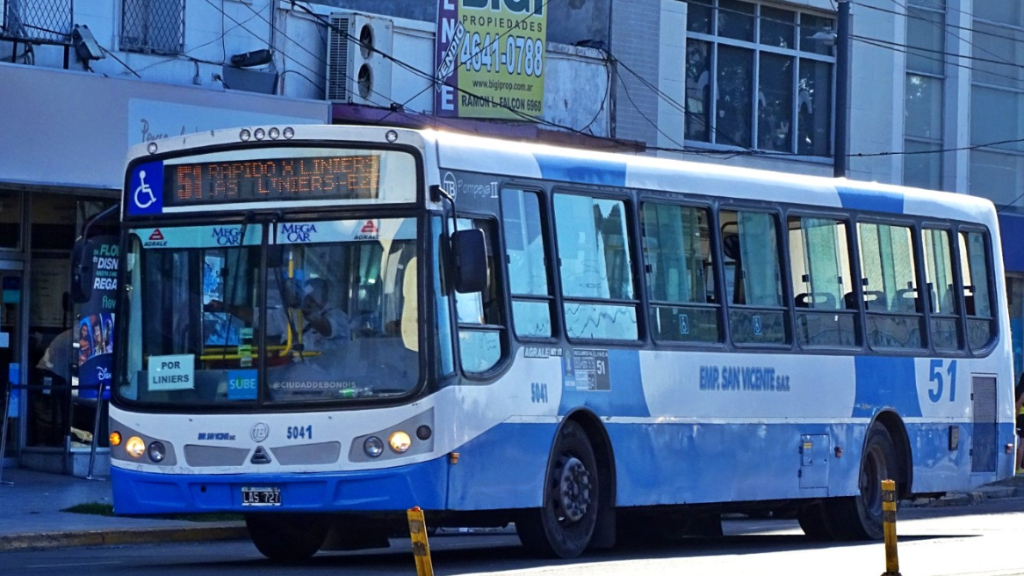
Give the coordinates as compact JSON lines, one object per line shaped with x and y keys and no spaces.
{"x":822,"y":300}
{"x":969,"y":304}
{"x":850,"y":301}
{"x":907,"y":301}
{"x":875,"y":300}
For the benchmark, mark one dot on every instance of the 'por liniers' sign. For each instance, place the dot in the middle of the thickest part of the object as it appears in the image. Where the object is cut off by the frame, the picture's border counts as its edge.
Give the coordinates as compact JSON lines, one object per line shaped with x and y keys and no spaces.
{"x":743,"y":379}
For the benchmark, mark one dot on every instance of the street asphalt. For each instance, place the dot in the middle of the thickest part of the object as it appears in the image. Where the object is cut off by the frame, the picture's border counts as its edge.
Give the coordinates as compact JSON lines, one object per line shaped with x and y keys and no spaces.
{"x":34,"y":513}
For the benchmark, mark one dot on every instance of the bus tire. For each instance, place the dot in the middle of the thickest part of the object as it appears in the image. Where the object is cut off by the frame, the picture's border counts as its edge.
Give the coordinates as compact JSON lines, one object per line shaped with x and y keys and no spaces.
{"x":564,"y":525}
{"x":813,"y":522}
{"x":287,"y":537}
{"x":860,"y":517}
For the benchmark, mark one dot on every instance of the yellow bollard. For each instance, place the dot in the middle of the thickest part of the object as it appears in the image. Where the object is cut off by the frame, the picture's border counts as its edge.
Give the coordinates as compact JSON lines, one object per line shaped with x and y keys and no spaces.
{"x":420,"y":546}
{"x":892,"y":561}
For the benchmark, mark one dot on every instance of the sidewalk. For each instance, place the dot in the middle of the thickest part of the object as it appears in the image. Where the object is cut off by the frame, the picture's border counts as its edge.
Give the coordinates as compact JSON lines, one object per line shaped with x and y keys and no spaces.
{"x":32,"y":516}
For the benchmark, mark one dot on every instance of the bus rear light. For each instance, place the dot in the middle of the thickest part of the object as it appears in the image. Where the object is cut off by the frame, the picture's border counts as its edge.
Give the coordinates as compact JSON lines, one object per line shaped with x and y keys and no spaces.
{"x":115,"y":438}
{"x":157,"y":452}
{"x":135,"y":447}
{"x":373,"y":447}
{"x":400,"y":442}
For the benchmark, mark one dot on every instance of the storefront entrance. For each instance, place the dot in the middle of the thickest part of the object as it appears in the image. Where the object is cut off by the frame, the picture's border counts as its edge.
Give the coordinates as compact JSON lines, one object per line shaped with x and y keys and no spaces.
{"x":11,"y":355}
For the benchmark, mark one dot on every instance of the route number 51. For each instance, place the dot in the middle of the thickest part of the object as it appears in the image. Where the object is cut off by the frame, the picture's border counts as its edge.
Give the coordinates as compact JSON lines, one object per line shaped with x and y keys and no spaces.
{"x":935,"y":374}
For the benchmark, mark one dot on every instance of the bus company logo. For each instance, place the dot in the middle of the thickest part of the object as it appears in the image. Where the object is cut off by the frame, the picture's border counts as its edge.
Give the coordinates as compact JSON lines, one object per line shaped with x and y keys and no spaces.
{"x":156,"y":240}
{"x":216,"y":436}
{"x":450,"y":184}
{"x":369,"y":231}
{"x":298,"y":232}
{"x":260,"y":431}
{"x":228,"y":236}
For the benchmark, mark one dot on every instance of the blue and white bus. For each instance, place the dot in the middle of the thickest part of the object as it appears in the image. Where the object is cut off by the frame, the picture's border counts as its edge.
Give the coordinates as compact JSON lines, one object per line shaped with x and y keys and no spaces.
{"x":584,"y":344}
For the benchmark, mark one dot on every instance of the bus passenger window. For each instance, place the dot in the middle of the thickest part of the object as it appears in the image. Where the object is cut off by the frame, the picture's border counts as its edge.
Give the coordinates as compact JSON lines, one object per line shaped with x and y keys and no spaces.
{"x":819,"y":260}
{"x":938,"y":267}
{"x":479,"y":313}
{"x":894,"y":312}
{"x":680,"y":273}
{"x":596,"y":268}
{"x":974,"y":265}
{"x":753,"y":277}
{"x":527,"y":263}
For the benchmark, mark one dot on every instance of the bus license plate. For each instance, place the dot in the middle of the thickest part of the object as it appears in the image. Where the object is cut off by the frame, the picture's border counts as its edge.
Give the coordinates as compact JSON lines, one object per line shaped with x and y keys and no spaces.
{"x":261,"y":496}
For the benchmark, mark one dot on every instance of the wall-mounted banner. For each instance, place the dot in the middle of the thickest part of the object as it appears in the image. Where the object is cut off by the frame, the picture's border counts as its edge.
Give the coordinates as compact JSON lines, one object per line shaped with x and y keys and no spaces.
{"x":489,"y":58}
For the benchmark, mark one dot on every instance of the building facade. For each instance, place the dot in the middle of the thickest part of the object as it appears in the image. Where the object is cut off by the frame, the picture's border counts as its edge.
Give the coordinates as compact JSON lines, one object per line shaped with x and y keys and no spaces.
{"x":936,"y":101}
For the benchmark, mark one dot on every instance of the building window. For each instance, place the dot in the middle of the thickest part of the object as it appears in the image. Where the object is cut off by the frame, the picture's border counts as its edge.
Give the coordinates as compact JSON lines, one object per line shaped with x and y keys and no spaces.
{"x":997,"y":103}
{"x":758,"y":77}
{"x":923,"y":131}
{"x":41,"y":20}
{"x":153,"y":26}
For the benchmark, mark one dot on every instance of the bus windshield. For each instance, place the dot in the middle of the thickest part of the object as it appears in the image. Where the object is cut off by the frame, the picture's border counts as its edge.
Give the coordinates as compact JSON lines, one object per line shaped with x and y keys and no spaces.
{"x":277,"y":313}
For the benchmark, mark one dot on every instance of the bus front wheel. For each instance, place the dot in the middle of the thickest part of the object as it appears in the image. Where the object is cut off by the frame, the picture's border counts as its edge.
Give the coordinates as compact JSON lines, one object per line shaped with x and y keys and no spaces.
{"x":564,"y":524}
{"x":287,"y":537}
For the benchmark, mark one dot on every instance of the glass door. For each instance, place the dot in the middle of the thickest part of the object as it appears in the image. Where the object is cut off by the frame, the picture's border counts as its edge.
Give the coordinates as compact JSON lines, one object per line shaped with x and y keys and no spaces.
{"x":11,"y":369}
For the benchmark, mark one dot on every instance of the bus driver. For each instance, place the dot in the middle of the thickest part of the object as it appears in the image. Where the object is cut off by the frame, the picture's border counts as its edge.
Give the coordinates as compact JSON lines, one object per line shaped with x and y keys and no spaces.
{"x":323,"y":326}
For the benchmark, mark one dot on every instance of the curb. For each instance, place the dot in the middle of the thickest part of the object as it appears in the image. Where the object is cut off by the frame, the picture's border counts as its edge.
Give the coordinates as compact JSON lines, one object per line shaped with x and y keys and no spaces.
{"x":121,"y":536}
{"x":971,"y":498}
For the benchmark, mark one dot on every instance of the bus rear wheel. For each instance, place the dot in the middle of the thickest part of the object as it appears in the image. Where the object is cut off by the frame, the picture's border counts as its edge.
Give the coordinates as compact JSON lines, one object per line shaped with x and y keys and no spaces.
{"x":860,"y":517}
{"x":287,"y":537}
{"x":564,"y":524}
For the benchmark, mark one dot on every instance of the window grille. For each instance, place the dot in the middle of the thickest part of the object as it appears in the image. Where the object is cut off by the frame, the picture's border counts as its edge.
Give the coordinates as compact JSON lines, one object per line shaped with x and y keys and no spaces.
{"x":153,"y":26}
{"x":47,"y":21}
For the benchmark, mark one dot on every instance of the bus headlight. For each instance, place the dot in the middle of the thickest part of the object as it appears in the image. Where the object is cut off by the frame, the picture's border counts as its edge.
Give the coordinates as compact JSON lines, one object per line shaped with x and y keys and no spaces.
{"x":157,"y":451}
{"x":135,"y":447}
{"x":400,"y":441}
{"x":373,"y":447}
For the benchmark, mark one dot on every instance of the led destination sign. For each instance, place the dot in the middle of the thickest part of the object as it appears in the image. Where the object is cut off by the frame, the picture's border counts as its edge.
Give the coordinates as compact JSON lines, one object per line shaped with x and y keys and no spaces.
{"x":334,"y":177}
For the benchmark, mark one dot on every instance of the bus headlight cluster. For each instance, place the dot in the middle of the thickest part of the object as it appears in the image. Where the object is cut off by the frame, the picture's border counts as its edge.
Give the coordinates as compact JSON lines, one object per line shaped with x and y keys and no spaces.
{"x":400,"y":442}
{"x":135,"y":447}
{"x":157,"y":451}
{"x":373,"y":447}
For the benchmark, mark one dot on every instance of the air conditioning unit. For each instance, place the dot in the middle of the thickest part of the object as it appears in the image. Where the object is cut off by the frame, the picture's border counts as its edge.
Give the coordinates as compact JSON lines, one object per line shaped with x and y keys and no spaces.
{"x":358,"y":72}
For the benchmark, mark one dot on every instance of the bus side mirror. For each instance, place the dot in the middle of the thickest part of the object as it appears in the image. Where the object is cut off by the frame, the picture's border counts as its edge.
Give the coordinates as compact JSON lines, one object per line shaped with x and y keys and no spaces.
{"x":470,"y":261}
{"x":82,"y":272}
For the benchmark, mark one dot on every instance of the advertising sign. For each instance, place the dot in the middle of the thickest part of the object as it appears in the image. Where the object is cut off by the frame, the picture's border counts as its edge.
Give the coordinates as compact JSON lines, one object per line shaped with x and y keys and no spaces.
{"x":95,"y":329}
{"x":489,"y":58}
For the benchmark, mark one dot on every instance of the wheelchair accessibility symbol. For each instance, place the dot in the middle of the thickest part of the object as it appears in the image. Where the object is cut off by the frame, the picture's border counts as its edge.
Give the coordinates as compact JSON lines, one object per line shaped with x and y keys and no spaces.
{"x":147,"y":189}
{"x":144,"y":197}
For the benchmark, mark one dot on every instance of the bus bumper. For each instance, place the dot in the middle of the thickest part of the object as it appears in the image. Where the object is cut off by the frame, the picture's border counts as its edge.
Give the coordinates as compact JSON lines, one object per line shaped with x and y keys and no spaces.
{"x":392,"y":489}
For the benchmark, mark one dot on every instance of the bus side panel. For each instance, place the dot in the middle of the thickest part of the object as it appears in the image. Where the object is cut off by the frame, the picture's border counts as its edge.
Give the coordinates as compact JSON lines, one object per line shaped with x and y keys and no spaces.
{"x":697,"y":463}
{"x":502,"y":468}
